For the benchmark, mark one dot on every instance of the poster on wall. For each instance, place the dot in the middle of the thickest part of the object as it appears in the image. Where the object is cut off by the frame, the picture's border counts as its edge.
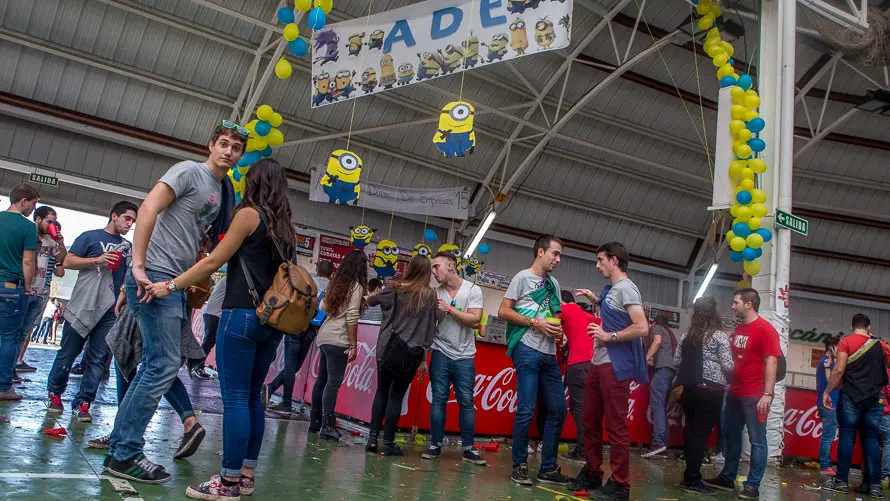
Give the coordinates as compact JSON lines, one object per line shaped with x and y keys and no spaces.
{"x":305,"y":245}
{"x":333,"y":249}
{"x":428,"y":40}
{"x":493,"y":280}
{"x":671,"y":315}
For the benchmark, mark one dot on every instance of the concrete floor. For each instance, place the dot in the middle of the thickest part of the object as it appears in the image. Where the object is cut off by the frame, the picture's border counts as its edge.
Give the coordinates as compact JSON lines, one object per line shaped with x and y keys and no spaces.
{"x":293,"y":465}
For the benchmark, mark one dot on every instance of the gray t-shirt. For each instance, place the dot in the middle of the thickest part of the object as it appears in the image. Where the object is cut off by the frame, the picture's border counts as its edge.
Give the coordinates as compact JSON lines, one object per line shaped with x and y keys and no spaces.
{"x":179,"y":229}
{"x":624,"y":293}
{"x":522,"y":285}
{"x":214,"y":304}
{"x":454,"y":339}
{"x":664,"y":357}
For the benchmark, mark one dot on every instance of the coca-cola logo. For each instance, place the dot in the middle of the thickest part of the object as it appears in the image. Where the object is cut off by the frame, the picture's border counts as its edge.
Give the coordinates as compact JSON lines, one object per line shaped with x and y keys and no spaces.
{"x":804,"y":423}
{"x":360,"y":373}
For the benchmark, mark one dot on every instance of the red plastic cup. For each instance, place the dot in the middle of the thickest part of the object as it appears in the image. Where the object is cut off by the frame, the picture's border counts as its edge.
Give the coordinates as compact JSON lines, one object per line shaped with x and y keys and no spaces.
{"x":53,"y":231}
{"x":115,"y":265}
{"x":761,"y":417}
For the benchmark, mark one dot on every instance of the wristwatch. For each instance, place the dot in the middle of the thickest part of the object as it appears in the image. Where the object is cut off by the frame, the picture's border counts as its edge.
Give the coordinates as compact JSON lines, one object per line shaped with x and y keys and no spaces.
{"x":171,"y":286}
{"x":614,"y":336}
{"x":770,"y":395}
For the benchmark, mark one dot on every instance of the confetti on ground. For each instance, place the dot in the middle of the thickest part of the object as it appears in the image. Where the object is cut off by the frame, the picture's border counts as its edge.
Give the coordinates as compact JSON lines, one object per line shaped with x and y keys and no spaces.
{"x":405,"y":467}
{"x":560,"y":496}
{"x":810,"y":488}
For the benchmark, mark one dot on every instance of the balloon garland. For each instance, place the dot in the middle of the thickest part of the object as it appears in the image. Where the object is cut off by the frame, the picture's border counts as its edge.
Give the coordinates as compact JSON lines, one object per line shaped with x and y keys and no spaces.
{"x":747,"y":236}
{"x":264,"y":135}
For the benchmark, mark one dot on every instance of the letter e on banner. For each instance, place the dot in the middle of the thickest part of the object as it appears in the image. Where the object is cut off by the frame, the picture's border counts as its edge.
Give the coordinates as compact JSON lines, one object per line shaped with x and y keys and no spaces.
{"x":485,"y":8}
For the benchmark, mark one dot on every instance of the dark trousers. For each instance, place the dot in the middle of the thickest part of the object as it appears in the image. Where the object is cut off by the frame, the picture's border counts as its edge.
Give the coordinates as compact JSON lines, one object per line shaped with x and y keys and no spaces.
{"x":95,"y":359}
{"x":576,"y":380}
{"x":211,"y":324}
{"x":607,"y":398}
{"x":296,"y":348}
{"x":387,"y":408}
{"x":702,"y":409}
{"x":331,"y":368}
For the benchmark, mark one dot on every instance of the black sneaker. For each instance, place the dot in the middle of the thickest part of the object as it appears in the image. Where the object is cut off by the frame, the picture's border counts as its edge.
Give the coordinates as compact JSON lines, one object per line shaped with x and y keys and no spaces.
{"x":138,"y":469}
{"x":391,"y":450}
{"x":587,"y":480}
{"x":77,"y":370}
{"x":720,"y":483}
{"x":314,"y":426}
{"x":577,"y":455}
{"x":876,"y":492}
{"x":54,"y":404}
{"x":371,"y":445}
{"x":280,"y":408}
{"x":613,"y":492}
{"x":473,"y":456}
{"x":697,"y":488}
{"x":16,"y":379}
{"x":199,"y":373}
{"x":23,"y":367}
{"x":83,"y":413}
{"x":749,"y":493}
{"x":520,"y":475}
{"x":99,"y":443}
{"x":864,"y":487}
{"x":434,"y":452}
{"x":191,"y":440}
{"x":553,"y":477}
{"x":835,"y":484}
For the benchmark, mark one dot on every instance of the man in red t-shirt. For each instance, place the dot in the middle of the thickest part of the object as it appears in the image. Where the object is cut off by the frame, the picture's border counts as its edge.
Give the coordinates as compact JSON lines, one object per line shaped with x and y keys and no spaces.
{"x":756,"y":352}
{"x":574,"y":324}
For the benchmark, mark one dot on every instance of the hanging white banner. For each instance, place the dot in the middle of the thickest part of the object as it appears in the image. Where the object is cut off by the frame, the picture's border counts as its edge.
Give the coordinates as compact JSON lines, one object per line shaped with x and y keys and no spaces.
{"x":449,"y":203}
{"x":431,"y":39}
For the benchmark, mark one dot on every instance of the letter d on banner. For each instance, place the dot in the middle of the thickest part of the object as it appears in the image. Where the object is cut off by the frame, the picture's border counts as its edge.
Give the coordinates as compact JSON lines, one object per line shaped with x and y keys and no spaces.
{"x":724,"y":187}
{"x":437,"y":31}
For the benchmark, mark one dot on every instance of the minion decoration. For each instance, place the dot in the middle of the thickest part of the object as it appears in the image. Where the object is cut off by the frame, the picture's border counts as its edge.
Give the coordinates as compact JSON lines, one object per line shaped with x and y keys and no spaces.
{"x":452,"y":58}
{"x":361,"y":236}
{"x":455,"y":135}
{"x":471,"y":51}
{"x":323,"y":87}
{"x":376,"y":40}
{"x":356,"y":42}
{"x":544,"y":34}
{"x":455,"y":250}
{"x":431,"y":65}
{"x":387,"y":72}
{"x":386,"y":258}
{"x":422,"y":250}
{"x":343,"y":84}
{"x":497,"y":48}
{"x":369,"y":80}
{"x":405,"y":74}
{"x":518,"y":37}
{"x":341,"y":178}
{"x":473,"y":266}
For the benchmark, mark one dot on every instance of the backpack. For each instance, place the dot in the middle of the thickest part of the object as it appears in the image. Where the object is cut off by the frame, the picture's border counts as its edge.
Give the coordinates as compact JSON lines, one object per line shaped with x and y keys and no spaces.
{"x":291,"y":302}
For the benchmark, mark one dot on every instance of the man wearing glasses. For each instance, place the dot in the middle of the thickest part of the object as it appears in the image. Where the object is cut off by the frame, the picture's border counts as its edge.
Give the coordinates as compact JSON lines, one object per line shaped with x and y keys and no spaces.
{"x":193,"y":200}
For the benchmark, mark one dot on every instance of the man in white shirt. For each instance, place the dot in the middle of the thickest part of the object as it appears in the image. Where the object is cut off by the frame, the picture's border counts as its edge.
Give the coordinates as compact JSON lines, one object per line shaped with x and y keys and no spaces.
{"x":460,"y":310}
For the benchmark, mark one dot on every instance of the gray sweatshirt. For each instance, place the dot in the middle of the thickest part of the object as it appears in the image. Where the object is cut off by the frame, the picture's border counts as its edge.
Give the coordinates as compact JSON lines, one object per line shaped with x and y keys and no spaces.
{"x":92,"y":297}
{"x":418,"y":329}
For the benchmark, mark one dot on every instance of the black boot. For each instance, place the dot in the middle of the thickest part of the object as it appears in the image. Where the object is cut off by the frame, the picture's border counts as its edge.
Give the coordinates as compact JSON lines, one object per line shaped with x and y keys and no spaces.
{"x":372,"y":442}
{"x":314,"y":420}
{"x":329,"y":429}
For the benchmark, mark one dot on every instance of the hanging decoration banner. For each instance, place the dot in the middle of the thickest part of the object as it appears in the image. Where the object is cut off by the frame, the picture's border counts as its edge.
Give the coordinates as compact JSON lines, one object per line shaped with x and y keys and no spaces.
{"x":449,"y":203}
{"x":431,"y":39}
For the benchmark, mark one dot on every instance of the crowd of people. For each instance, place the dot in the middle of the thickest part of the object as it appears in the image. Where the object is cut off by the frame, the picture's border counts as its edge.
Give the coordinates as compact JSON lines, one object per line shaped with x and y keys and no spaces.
{"x":135,"y":302}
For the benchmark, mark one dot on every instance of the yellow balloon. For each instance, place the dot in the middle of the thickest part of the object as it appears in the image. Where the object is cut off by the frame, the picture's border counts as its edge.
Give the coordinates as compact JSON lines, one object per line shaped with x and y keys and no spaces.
{"x":738,"y":95}
{"x":759,"y":210}
{"x":706,"y":22}
{"x":758,"y":165}
{"x":730,"y":235}
{"x":743,"y":151}
{"x":283,"y":70}
{"x":251,"y":144}
{"x":738,"y":112}
{"x":752,"y":102}
{"x":747,"y":184}
{"x":276,"y":120}
{"x":716,"y":11}
{"x":743,"y":214}
{"x":264,"y":112}
{"x":260,"y":143}
{"x":725,"y":71}
{"x":244,"y":169}
{"x":733,"y":209}
{"x":738,"y":244}
{"x":735,"y":168}
{"x":703,"y":8}
{"x":735,"y":126}
{"x":713,"y":34}
{"x":754,"y":240}
{"x":754,"y":223}
{"x":713,"y":50}
{"x":303,"y":5}
{"x":735,"y":221}
{"x":747,"y":173}
{"x":251,"y":126}
{"x":720,"y":59}
{"x":750,"y":92}
{"x":752,"y":268}
{"x":744,"y":135}
{"x":291,"y":32}
{"x":736,"y":144}
{"x":274,"y":138}
{"x":751,"y":115}
{"x":326,"y":5}
{"x":758,"y":196}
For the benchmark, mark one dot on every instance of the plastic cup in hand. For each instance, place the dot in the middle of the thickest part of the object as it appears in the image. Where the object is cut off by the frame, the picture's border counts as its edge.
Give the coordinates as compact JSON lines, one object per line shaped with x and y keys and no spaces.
{"x":53,"y":231}
{"x":761,"y":416}
{"x":115,"y":265}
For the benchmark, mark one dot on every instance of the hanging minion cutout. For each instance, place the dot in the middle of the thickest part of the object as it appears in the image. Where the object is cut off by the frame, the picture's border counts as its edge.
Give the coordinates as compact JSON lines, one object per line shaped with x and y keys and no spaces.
{"x":518,"y":37}
{"x":386,"y":258}
{"x":360,"y":236}
{"x":497,"y":48}
{"x":473,"y":266}
{"x":375,"y":41}
{"x":422,"y":250}
{"x":356,"y":42}
{"x":454,"y":250}
{"x":387,"y":72}
{"x":369,"y":80}
{"x":341,"y":178}
{"x":454,"y":135}
{"x":471,"y":51}
{"x":406,"y":74}
{"x":544,"y":34}
{"x":452,"y":57}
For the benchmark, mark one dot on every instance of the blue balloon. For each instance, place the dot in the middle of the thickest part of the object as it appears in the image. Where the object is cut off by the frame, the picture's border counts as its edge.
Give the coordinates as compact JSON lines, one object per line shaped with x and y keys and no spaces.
{"x":744,"y":197}
{"x":727,"y":82}
{"x":730,"y":61}
{"x":741,"y":230}
{"x":317,"y":19}
{"x":263,"y":127}
{"x":757,"y":144}
{"x":484,"y":249}
{"x":745,"y":82}
{"x":298,"y":47}
{"x":236,"y":175}
{"x":756,"y":125}
{"x":286,"y":16}
{"x":765,"y":233}
{"x":430,"y":235}
{"x":266,"y":152}
{"x":251,"y":157}
{"x":759,"y":251}
{"x":243,"y":162}
{"x":749,"y":254}
{"x":735,"y":256}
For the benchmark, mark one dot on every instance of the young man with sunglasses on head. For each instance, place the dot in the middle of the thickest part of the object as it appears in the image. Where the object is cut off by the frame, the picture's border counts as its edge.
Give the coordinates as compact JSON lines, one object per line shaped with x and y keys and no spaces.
{"x":191,"y":202}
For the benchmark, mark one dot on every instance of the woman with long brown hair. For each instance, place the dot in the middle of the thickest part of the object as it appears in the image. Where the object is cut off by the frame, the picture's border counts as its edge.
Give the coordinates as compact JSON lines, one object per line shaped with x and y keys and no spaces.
{"x":704,"y":367}
{"x":406,"y":334}
{"x":262,"y":235}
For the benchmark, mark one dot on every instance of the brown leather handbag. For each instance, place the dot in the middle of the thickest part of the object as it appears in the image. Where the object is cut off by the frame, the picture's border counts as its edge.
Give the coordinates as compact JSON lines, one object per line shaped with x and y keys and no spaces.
{"x":198,"y":294}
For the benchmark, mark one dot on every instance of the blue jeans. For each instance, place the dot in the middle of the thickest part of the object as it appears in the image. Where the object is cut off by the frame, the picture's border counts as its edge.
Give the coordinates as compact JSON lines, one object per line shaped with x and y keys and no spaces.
{"x":244,"y":351}
{"x":829,"y":433}
{"x":866,"y":415}
{"x":13,"y":306}
{"x":462,"y":372}
{"x":36,"y":305}
{"x":534,"y":368}
{"x":885,"y":458}
{"x":741,"y":412}
{"x":659,"y":388}
{"x":161,"y":322}
{"x":177,"y":396}
{"x":97,"y":354}
{"x":42,"y":330}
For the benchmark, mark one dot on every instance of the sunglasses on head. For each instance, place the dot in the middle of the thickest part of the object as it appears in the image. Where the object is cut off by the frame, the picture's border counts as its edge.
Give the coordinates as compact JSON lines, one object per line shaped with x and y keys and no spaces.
{"x":228,"y":124}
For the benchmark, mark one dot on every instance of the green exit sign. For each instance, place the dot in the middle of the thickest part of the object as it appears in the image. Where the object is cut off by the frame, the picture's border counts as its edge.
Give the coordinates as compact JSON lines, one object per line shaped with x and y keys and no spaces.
{"x":41,"y":179}
{"x":793,"y":223}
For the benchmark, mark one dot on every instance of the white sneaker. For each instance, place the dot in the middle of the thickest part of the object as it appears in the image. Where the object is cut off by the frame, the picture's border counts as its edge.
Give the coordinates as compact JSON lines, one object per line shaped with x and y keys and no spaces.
{"x":655,"y":451}
{"x":718,"y":458}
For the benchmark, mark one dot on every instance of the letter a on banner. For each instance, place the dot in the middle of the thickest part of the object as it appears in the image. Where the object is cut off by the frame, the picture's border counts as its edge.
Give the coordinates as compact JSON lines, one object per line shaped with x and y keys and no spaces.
{"x":433,"y":39}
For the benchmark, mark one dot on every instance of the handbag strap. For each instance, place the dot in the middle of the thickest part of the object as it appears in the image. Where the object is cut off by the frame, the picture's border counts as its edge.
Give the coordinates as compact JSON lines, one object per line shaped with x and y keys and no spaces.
{"x":251,"y":288}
